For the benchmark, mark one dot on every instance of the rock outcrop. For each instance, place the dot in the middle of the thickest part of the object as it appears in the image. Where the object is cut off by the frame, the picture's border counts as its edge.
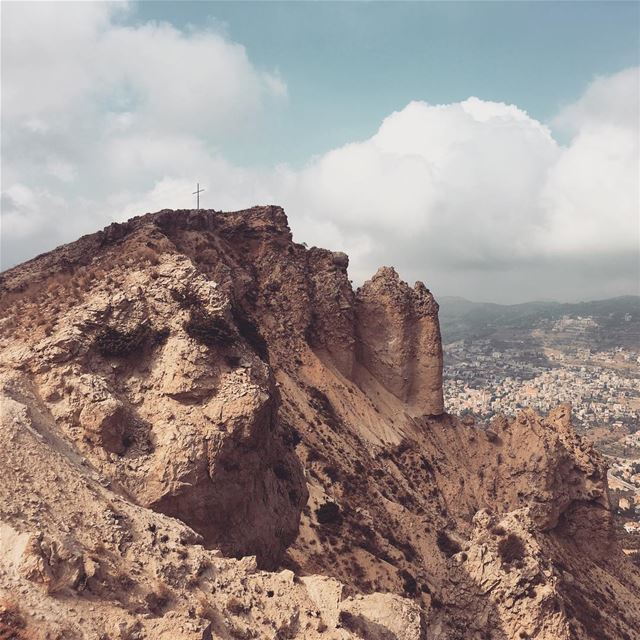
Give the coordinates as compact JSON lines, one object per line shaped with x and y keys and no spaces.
{"x":399,"y":340}
{"x":78,"y":560}
{"x":192,"y":400}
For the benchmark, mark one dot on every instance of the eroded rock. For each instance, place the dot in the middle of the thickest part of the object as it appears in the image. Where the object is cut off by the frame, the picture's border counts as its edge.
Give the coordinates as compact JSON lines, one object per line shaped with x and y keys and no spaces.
{"x":399,"y":340}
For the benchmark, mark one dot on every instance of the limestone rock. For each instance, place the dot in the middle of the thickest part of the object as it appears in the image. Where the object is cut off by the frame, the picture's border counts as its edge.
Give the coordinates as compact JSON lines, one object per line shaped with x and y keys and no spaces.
{"x":104,"y":423}
{"x":399,"y":340}
{"x":382,"y":616}
{"x":200,"y":398}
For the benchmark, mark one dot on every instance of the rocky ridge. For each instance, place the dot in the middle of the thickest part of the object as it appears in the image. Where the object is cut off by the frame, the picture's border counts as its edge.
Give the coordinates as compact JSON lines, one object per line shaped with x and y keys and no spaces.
{"x":213,"y":435}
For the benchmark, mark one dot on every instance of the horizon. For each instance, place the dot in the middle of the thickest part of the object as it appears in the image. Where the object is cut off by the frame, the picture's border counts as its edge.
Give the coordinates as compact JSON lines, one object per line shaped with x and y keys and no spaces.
{"x":438,"y":137}
{"x":541,"y":301}
{"x":355,"y":285}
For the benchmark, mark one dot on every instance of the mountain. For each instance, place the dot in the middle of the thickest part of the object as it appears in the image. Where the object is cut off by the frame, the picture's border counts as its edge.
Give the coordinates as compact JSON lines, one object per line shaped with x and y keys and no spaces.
{"x":209,"y":434}
{"x":617,"y":319}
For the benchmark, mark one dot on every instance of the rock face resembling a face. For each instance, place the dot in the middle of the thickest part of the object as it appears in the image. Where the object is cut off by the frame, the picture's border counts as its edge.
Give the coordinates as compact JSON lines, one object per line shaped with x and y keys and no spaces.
{"x":199,"y":385}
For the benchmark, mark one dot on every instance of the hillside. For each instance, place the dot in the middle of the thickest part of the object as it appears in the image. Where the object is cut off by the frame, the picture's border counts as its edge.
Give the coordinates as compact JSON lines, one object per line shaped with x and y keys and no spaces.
{"x":500,"y":358}
{"x":616,"y":320}
{"x":212,"y":435}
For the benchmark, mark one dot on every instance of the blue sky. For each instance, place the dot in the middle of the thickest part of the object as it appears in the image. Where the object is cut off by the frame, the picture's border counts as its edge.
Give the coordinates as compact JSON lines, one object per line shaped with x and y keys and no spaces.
{"x":349,"y":64}
{"x":489,"y":149}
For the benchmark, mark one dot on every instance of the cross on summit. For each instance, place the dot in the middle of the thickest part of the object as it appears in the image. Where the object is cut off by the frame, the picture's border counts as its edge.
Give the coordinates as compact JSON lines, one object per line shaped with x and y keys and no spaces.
{"x":197,"y":193}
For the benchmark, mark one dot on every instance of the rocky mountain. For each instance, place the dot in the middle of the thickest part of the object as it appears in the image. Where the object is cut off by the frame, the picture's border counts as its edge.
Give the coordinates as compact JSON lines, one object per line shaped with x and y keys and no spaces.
{"x":207,"y":433}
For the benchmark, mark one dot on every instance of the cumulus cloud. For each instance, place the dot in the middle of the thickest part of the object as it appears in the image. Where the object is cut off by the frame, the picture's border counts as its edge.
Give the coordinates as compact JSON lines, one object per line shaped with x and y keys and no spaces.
{"x":103,"y":121}
{"x":478,"y":196}
{"x":168,"y":79}
{"x":592,"y":194}
{"x":95,"y":110}
{"x":607,"y":101}
{"x":48,"y":58}
{"x":469,"y":171}
{"x":154,"y":76}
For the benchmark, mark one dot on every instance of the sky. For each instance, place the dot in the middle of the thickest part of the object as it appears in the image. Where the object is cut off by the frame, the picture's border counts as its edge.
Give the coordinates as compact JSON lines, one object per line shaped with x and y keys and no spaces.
{"x":489,"y":149}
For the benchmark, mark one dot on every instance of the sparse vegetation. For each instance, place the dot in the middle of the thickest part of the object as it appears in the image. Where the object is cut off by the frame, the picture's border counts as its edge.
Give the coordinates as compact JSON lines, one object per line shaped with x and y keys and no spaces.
{"x":447,"y":544}
{"x":385,"y":492}
{"x":114,"y":343}
{"x":511,"y":549}
{"x":323,"y":406}
{"x":158,"y":600}
{"x":409,"y":583}
{"x":145,"y":253}
{"x":209,"y":330}
{"x":235,"y":606}
{"x":291,"y":437}
{"x":350,"y":622}
{"x":329,"y":513}
{"x":492,"y":436}
{"x":281,"y":471}
{"x":332,"y":472}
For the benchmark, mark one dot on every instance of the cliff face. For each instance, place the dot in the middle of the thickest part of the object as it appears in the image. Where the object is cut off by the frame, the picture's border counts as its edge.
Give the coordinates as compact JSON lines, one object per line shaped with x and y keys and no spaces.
{"x":202,"y":366}
{"x":399,"y":340}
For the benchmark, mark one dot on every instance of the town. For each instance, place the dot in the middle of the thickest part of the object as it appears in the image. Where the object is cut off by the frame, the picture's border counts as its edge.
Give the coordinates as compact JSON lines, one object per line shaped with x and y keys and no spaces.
{"x":604,"y":387}
{"x":493,"y":375}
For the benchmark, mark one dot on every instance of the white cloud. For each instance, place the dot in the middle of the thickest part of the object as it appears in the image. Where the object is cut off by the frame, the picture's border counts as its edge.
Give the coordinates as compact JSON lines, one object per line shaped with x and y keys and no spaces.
{"x":110,"y":109}
{"x":64,"y":171}
{"x":198,"y":82}
{"x":103,"y":121}
{"x":592,"y":194}
{"x":459,"y":194}
{"x":609,"y":100}
{"x":469,"y":171}
{"x":64,"y":60}
{"x":48,"y":56}
{"x":25,"y":212}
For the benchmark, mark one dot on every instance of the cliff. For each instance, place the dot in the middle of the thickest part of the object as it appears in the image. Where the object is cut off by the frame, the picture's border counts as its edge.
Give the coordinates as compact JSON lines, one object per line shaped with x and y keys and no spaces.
{"x":211,"y":434}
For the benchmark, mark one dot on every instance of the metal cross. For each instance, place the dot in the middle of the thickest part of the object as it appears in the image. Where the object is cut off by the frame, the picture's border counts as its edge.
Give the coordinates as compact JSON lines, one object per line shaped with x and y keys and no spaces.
{"x":197,"y":193}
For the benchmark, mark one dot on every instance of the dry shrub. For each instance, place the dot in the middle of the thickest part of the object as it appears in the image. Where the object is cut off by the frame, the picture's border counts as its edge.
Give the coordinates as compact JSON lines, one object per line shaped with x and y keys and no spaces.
{"x":361,"y":628}
{"x":204,"y":608}
{"x":239,"y":633}
{"x":409,"y":583}
{"x":60,"y":289}
{"x":209,"y":330}
{"x":329,"y":513}
{"x":120,"y":344}
{"x":321,"y":403}
{"x":511,"y":549}
{"x":145,"y":254}
{"x":235,"y":606}
{"x":250,"y":332}
{"x":12,"y":622}
{"x":492,"y":436}
{"x":159,"y":599}
{"x":447,"y":545}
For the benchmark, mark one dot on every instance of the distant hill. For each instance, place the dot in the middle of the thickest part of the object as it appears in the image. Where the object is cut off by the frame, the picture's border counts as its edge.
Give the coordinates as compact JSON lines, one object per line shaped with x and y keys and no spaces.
{"x":617,"y":320}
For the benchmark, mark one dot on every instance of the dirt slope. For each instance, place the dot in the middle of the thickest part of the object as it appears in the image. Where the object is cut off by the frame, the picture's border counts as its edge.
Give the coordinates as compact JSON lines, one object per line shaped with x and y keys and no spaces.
{"x":194,"y":380}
